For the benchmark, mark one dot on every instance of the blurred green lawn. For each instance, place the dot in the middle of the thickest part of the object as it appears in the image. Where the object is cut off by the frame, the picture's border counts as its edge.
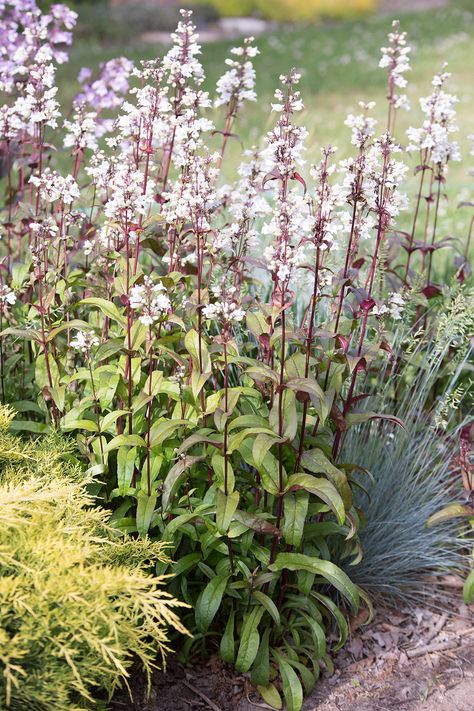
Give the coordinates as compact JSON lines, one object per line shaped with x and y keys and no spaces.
{"x":339,"y":67}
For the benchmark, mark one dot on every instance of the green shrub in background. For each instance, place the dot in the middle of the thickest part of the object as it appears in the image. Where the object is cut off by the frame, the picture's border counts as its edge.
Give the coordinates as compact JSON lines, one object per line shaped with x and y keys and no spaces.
{"x":77,"y":606}
{"x":295,"y":10}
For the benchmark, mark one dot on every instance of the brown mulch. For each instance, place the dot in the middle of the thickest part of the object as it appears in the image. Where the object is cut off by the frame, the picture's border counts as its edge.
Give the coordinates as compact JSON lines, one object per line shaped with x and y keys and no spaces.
{"x":408,"y":659}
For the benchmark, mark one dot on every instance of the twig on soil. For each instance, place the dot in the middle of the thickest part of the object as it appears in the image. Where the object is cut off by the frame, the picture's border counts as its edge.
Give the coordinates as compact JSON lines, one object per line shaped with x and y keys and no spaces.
{"x":437,"y":628}
{"x":428,"y":648}
{"x":205,"y":698}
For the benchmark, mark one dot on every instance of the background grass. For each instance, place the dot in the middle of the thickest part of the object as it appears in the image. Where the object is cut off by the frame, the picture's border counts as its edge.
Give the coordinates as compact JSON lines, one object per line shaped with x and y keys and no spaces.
{"x":339,"y":67}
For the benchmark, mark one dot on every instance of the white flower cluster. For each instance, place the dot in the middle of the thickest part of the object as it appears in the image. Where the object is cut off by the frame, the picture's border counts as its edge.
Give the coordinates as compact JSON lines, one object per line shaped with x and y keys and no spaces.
{"x":193,"y":196}
{"x":181,"y":61}
{"x":362,"y":125}
{"x":150,"y":300}
{"x":85,"y":341}
{"x":291,"y":102}
{"x":328,"y":197}
{"x":440,"y":121}
{"x":394,"y":307}
{"x":7,"y":296}
{"x":81,"y":131}
{"x":291,"y":220}
{"x":52,"y":186}
{"x":237,"y":84}
{"x":227,"y":311}
{"x":245,"y":203}
{"x":127,"y":195}
{"x":37,"y":104}
{"x":383,"y":176}
{"x":396,"y":59}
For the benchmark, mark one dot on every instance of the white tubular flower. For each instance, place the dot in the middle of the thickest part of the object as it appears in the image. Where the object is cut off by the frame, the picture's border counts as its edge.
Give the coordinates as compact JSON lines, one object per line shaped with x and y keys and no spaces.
{"x":81,"y":131}
{"x":393,"y":308}
{"x":181,"y":63}
{"x":383,"y":177}
{"x":237,"y":84}
{"x":52,"y":186}
{"x":126,"y":194}
{"x":37,"y":103}
{"x":362,"y":125}
{"x":193,"y":196}
{"x":85,"y":341}
{"x":150,"y":300}
{"x":7,"y":296}
{"x":226,"y":311}
{"x":245,"y":204}
{"x":396,"y":59}
{"x":439,"y":123}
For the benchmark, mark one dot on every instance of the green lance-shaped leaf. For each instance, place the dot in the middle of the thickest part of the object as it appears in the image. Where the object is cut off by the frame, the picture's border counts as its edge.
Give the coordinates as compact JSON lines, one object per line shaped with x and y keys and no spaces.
{"x":338,"y":616}
{"x":317,"y":633}
{"x":268,"y":469}
{"x":307,"y":677}
{"x":25,"y":333}
{"x":315,"y":461}
{"x":111,"y":418}
{"x":327,"y":570}
{"x":200,"y":438}
{"x":225,"y":509}
{"x":292,"y":689}
{"x":260,"y":674}
{"x":256,"y":323}
{"x":262,"y":444}
{"x":238,"y":438}
{"x":29,"y":426}
{"x":289,"y":416}
{"x":198,"y":381}
{"x":174,"y":476}
{"x":262,"y":372}
{"x":209,"y":602}
{"x":108,"y":308}
{"x":125,"y":440}
{"x":74,"y":323}
{"x":41,"y":371}
{"x":218,"y":466}
{"x":306,"y":385}
{"x":145,"y":509}
{"x":255,"y":523}
{"x":321,"y":488}
{"x":227,"y":645}
{"x":164,"y":429}
{"x":191,"y":343}
{"x":295,"y":509}
{"x":449,"y":512}
{"x":356,"y":418}
{"x":270,"y":695}
{"x":249,"y":640}
{"x":125,"y":464}
{"x":88,"y":425}
{"x":268,"y":604}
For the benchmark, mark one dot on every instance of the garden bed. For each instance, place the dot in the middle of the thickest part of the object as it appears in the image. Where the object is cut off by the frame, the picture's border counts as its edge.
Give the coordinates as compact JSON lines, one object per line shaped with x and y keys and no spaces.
{"x":410,"y":659}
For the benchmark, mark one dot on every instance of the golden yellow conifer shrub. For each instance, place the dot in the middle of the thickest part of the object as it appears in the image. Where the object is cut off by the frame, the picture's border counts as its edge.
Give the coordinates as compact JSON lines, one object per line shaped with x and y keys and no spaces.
{"x":77,"y":603}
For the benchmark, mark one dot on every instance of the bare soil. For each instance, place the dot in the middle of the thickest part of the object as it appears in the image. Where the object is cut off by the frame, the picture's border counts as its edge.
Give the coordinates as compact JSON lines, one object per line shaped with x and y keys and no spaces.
{"x":412,"y":659}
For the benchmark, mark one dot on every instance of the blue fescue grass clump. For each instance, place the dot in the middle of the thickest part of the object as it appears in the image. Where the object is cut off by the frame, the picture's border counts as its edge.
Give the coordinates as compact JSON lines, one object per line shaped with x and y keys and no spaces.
{"x":413,"y":480}
{"x":413,"y":468}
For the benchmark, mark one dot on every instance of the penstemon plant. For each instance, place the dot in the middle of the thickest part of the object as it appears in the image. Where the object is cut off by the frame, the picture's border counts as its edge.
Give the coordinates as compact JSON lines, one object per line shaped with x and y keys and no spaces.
{"x":207,"y":344}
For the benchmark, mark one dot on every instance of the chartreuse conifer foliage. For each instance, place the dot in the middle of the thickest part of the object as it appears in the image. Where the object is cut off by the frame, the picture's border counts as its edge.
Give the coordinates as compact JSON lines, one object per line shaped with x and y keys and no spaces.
{"x":77,"y":605}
